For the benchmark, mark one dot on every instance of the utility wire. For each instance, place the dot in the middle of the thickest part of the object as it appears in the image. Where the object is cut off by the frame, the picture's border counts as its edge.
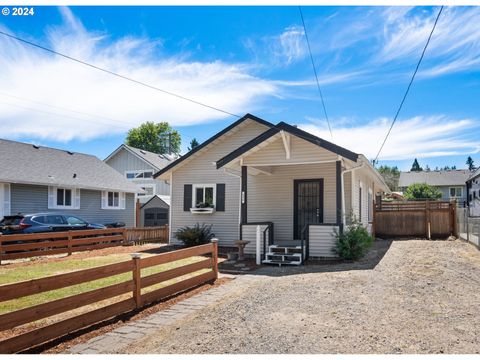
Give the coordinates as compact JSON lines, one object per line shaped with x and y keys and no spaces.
{"x":116,"y":74}
{"x":315,"y":71}
{"x":409,"y":85}
{"x":114,"y":121}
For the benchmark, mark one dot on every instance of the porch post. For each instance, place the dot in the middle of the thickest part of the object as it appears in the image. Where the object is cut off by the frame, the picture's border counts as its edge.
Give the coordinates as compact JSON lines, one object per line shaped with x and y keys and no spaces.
{"x":243,"y":208}
{"x":339,"y":194}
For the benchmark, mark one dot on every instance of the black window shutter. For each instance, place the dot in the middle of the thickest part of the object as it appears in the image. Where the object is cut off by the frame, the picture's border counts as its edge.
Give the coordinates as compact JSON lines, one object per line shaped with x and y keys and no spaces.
{"x":220,"y":206}
{"x":187,"y":197}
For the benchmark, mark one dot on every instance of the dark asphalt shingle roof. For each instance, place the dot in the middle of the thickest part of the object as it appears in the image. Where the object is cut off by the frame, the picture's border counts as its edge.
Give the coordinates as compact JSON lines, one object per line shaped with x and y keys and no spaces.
{"x":27,"y":164}
{"x":435,"y":178}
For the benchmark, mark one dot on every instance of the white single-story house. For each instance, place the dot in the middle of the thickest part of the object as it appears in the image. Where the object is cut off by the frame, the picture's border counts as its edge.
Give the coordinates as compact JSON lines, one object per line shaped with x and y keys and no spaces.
{"x":298,"y":187}
{"x":36,"y":179}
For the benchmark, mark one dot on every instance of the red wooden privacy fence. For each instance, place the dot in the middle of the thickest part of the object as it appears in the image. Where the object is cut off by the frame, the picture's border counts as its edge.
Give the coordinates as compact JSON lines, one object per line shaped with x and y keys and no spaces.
{"x":414,"y":219}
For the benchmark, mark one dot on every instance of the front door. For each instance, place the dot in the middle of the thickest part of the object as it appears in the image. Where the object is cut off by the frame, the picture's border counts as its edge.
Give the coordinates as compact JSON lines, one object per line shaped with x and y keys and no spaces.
{"x":308,"y":204}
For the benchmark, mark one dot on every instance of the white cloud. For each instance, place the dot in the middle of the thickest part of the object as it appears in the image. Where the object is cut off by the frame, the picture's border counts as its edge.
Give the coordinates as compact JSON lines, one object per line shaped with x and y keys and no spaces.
{"x":290,"y":45}
{"x":454,"y":46}
{"x":419,"y":136}
{"x":43,"y":78}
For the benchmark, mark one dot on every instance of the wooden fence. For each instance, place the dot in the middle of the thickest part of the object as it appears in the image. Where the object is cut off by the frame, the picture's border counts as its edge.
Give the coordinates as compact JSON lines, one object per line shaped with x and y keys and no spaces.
{"x":135,"y":285}
{"x":141,"y":235}
{"x":429,"y":219}
{"x":29,"y":245}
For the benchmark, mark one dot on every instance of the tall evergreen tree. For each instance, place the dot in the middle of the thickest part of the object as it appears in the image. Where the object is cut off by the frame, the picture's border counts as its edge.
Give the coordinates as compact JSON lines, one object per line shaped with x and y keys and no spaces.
{"x":471,"y":165}
{"x":416,"y":166}
{"x":193,"y":144}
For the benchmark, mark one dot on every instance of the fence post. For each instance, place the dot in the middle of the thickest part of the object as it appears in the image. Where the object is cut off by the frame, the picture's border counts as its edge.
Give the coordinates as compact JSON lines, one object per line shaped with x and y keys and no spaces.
{"x":137,"y":286}
{"x":124,"y":237}
{"x":0,"y":249}
{"x":215,"y":257}
{"x":69,"y":245}
{"x":427,"y":219}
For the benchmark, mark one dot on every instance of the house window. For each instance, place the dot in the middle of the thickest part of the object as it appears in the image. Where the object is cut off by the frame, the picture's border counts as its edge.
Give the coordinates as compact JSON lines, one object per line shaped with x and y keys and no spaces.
{"x":370,"y":205}
{"x":360,"y":202}
{"x":113,"y":200}
{"x":149,"y":190}
{"x":456,"y":192}
{"x":139,"y":174}
{"x":63,"y":198}
{"x":204,"y":196}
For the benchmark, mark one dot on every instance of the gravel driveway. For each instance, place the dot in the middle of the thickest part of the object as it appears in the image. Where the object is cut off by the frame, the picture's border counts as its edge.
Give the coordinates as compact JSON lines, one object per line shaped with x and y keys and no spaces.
{"x":412,"y":296}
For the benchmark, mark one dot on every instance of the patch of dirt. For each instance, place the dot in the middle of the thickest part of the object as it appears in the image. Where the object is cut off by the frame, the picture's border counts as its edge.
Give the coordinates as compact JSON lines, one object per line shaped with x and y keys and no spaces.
{"x":415,"y":296}
{"x":60,"y":345}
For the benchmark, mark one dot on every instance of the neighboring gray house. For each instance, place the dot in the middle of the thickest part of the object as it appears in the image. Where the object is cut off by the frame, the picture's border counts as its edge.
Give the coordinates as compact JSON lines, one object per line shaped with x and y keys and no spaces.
{"x":41,"y":179}
{"x":289,"y":182}
{"x":473,"y":193}
{"x":138,"y":166}
{"x":450,"y":182}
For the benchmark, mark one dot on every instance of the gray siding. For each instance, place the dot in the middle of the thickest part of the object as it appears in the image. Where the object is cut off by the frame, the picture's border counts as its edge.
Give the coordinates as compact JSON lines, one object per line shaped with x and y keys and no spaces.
{"x":202,"y":170}
{"x":125,"y":161}
{"x":28,"y":199}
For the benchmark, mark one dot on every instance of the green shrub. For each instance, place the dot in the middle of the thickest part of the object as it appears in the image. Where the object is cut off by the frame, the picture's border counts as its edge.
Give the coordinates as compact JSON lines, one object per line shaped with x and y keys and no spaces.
{"x":420,"y":191}
{"x":196,"y":235}
{"x":353,"y":243}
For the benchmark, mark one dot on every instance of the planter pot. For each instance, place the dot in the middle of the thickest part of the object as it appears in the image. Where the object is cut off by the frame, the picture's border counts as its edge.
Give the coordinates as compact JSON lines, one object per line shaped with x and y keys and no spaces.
{"x":232,"y":256}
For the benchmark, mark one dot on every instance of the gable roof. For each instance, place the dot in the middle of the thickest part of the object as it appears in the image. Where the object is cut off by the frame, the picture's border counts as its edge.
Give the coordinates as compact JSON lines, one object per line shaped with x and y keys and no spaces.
{"x":164,"y":198}
{"x":212,"y":139}
{"x":157,"y":161}
{"x":474,"y":174}
{"x":282,"y":126}
{"x":435,"y":178}
{"x":29,"y":164}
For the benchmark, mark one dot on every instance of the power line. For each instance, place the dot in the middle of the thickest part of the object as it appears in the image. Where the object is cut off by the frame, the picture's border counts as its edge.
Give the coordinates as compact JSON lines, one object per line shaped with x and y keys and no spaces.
{"x":116,"y":74}
{"x":315,"y":71}
{"x":67,"y":109}
{"x":410,"y":84}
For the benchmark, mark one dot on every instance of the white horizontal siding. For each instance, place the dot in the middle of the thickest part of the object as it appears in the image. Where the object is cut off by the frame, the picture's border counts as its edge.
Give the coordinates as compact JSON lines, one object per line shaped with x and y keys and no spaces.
{"x":322,"y":240}
{"x":201,"y":169}
{"x":249,"y":233}
{"x":270,"y":197}
{"x":300,"y":151}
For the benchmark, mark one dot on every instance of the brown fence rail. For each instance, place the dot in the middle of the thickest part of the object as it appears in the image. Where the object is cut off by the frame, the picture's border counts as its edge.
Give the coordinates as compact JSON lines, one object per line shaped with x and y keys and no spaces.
{"x":141,"y":235}
{"x":41,"y":244}
{"x":414,"y":218}
{"x":135,"y":285}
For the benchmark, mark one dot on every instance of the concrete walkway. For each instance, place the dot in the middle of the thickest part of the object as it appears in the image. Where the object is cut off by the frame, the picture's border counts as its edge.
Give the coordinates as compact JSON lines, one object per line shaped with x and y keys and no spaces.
{"x":122,"y":337}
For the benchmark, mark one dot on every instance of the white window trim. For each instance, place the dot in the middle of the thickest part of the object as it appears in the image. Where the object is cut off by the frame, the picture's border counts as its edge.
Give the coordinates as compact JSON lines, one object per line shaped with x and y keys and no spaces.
{"x":455,"y":187}
{"x":52,"y":198}
{"x":121,"y":200}
{"x":139,"y":171}
{"x":194,"y":194}
{"x":370,"y":205}
{"x":5,"y":202}
{"x":147,"y":186}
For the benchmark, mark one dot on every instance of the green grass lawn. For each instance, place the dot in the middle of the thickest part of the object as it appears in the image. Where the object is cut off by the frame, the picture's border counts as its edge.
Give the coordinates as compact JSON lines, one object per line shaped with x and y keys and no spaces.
{"x":34,"y":271}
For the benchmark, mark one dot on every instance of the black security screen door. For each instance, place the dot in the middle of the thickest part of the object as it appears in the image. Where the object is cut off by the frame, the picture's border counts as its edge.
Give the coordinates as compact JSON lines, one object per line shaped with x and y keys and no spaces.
{"x":308,"y":204}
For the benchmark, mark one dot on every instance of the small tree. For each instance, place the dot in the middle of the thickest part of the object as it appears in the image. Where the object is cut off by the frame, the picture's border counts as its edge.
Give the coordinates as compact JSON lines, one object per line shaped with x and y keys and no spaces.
{"x":420,"y":191}
{"x":416,"y":166}
{"x":471,"y":165}
{"x":193,"y":144}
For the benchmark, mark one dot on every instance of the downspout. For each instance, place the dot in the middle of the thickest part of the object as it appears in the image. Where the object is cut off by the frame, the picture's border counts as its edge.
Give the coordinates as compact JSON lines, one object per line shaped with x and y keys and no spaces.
{"x":344,"y":216}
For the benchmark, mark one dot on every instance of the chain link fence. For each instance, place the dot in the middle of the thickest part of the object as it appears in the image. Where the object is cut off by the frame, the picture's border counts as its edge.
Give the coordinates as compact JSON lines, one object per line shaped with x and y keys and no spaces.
{"x":468,"y":227}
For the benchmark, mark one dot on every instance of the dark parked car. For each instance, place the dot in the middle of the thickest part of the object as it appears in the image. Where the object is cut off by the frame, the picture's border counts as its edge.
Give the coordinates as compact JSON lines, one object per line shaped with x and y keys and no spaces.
{"x":44,"y":222}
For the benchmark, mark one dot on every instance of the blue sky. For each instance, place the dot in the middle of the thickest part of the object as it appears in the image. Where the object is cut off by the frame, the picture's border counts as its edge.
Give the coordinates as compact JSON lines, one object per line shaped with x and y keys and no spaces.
{"x":247,"y":59}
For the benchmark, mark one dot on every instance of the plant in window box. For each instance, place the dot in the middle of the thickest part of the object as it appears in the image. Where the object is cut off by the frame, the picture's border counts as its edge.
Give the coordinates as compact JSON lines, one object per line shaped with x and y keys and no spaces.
{"x":203,"y":208}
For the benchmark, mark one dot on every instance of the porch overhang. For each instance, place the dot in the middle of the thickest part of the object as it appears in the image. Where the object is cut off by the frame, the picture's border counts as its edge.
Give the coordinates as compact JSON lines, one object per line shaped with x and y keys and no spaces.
{"x":284,"y":132}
